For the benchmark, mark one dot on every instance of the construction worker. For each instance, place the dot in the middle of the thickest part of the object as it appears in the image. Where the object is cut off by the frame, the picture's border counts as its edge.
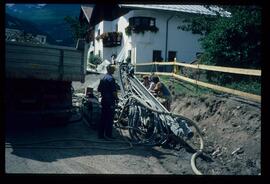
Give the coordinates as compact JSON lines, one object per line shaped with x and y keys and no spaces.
{"x":152,"y":84}
{"x":146,"y":81}
{"x":113,"y":59}
{"x":162,"y":93}
{"x":108,"y":90}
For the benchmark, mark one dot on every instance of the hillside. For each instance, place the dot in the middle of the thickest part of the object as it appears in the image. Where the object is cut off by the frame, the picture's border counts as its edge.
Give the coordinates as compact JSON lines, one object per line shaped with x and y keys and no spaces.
{"x":29,"y":27}
{"x":49,"y":18}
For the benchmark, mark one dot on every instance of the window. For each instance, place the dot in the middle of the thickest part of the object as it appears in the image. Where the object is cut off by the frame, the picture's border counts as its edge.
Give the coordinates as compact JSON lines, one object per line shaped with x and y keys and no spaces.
{"x":98,"y":32}
{"x":157,"y":55}
{"x":137,"y":22}
{"x":142,"y":21}
{"x":99,"y":53}
{"x":172,"y":55}
{"x":145,"y":22}
{"x":129,"y":53}
{"x":116,"y":27}
{"x":152,"y":22}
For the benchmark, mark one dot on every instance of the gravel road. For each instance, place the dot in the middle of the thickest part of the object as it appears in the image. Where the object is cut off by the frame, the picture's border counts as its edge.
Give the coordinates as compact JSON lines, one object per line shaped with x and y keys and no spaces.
{"x":61,"y":156}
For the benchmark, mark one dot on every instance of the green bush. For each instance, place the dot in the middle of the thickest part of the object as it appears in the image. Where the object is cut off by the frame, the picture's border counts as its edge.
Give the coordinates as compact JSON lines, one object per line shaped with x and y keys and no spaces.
{"x":140,"y":29}
{"x":95,"y":59}
{"x":234,"y":41}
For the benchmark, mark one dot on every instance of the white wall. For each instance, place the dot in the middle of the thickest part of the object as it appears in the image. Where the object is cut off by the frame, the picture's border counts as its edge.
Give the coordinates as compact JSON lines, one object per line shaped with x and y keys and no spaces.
{"x":98,"y":44}
{"x":184,"y":43}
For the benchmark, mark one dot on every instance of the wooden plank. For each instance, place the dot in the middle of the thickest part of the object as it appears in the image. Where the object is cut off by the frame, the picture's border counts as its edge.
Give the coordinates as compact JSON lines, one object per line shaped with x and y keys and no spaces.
{"x":142,"y":73}
{"x":43,"y":62}
{"x":36,"y":58}
{"x":75,"y":69}
{"x":69,"y":63}
{"x":42,"y":74}
{"x":31,"y":66}
{"x":29,"y":50}
{"x":250,"y":96}
{"x":72,"y":61}
{"x":155,"y":63}
{"x":72,"y":54}
{"x":232,"y":70}
{"x":242,"y":71}
{"x":220,"y":88}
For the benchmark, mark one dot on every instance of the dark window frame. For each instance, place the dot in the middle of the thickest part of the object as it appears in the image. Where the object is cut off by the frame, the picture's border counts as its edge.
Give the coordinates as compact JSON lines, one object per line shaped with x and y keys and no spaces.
{"x":174,"y":53}
{"x":157,"y":56}
{"x":141,"y":21}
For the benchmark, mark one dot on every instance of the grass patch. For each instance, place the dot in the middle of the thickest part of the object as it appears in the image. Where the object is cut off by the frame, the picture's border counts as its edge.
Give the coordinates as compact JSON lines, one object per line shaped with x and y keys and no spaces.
{"x":252,"y":87}
{"x":185,"y":88}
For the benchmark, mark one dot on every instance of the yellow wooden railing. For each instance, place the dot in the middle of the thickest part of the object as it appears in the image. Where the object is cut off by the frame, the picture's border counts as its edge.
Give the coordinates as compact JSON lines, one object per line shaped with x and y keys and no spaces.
{"x":176,"y":65}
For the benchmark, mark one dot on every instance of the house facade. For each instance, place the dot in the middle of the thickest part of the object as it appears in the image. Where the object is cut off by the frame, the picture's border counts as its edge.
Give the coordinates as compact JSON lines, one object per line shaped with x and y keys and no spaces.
{"x":144,"y":33}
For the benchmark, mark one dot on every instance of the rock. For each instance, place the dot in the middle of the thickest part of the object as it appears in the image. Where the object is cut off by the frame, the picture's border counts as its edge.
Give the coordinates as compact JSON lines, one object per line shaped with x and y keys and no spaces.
{"x":258,"y":163}
{"x":215,"y":153}
{"x":238,"y":151}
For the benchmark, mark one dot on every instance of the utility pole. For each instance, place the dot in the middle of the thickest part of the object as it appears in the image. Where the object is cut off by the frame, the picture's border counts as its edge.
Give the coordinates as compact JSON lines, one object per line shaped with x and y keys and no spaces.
{"x":166,"y":44}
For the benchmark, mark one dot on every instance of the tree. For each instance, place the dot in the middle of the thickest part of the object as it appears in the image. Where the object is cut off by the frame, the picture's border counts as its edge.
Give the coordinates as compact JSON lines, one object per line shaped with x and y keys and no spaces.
{"x":233,"y":41}
{"x":79,"y":29}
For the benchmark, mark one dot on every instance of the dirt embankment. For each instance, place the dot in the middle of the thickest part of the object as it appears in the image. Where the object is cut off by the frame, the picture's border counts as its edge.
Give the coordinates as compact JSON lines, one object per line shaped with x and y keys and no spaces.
{"x":232,"y":133}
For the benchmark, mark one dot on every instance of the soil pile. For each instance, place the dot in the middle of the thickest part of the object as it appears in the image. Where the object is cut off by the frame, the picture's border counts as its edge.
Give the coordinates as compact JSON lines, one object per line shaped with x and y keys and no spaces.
{"x":231,"y":129}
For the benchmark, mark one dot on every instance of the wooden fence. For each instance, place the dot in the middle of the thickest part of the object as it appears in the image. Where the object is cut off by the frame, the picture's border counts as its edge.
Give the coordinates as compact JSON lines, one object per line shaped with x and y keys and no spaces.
{"x":176,"y":65}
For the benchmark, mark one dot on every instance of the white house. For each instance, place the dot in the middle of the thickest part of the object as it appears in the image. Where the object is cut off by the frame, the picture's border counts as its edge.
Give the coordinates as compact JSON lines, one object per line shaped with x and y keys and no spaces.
{"x":162,"y":40}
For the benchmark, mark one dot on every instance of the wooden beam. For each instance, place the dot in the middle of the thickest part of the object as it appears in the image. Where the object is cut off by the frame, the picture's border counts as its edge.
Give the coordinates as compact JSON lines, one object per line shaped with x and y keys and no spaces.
{"x":155,"y":63}
{"x":220,"y":88}
{"x":250,"y":96}
{"x":242,"y":71}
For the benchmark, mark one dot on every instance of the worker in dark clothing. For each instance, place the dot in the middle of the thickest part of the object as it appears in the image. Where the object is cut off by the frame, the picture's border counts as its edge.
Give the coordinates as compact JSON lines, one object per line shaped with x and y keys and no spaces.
{"x":108,"y":90}
{"x":162,"y":93}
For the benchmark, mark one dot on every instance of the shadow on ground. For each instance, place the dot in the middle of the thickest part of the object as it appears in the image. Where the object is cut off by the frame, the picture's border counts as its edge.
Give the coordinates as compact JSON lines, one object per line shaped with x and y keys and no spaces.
{"x":27,"y":139}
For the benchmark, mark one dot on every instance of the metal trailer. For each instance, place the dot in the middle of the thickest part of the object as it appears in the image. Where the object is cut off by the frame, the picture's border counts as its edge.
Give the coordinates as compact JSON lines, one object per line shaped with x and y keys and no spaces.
{"x":38,"y":80}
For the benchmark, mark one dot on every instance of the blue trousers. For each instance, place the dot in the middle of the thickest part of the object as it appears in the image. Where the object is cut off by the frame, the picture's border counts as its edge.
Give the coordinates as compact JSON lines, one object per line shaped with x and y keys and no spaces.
{"x":106,"y":121}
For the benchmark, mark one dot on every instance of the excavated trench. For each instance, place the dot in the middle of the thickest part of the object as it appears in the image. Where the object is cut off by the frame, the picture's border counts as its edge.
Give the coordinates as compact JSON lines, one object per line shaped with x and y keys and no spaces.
{"x":232,"y":132}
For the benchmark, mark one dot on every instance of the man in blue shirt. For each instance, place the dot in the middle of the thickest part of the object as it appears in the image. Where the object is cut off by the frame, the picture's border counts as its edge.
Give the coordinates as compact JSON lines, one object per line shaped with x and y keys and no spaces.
{"x":108,"y":90}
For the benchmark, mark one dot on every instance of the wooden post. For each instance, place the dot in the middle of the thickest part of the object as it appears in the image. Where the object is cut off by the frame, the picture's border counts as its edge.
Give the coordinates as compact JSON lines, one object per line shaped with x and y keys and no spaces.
{"x":174,"y":66}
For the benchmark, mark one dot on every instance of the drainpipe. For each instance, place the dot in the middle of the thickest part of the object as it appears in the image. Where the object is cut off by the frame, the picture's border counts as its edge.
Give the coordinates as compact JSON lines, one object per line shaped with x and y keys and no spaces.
{"x":166,"y":45}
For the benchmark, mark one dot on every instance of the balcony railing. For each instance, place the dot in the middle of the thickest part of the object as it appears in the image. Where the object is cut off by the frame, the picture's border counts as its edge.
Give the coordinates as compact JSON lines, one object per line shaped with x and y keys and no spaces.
{"x":110,"y":39}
